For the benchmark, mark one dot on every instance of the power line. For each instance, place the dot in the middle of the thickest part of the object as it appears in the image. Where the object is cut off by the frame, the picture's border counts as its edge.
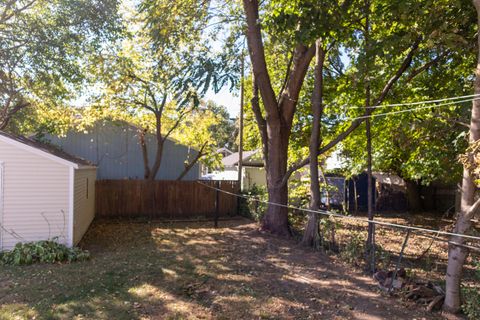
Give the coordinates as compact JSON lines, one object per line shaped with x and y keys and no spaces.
{"x":331,"y":214}
{"x":411,"y":109}
{"x":416,"y":102}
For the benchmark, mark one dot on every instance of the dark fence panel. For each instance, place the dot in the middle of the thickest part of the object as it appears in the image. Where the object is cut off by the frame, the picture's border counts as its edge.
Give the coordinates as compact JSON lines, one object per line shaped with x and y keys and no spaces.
{"x":164,"y":199}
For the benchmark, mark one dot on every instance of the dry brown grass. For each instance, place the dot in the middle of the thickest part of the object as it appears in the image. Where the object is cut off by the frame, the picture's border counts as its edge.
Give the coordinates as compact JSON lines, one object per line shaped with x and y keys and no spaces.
{"x":193,"y":271}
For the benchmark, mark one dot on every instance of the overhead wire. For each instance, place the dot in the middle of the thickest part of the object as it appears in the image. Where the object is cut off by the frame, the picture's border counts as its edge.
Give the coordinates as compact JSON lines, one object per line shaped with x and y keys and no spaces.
{"x":332,"y":214}
{"x":411,"y":109}
{"x":415,"y":102}
{"x":451,"y":101}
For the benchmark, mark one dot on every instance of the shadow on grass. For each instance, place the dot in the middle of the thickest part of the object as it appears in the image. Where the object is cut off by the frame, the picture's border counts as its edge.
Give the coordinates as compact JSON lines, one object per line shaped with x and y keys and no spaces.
{"x":190,"y":270}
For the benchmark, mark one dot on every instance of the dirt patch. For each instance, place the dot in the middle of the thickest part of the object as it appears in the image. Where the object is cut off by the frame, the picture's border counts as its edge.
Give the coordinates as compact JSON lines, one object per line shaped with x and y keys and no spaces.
{"x":424,"y":258}
{"x":192,"y":271}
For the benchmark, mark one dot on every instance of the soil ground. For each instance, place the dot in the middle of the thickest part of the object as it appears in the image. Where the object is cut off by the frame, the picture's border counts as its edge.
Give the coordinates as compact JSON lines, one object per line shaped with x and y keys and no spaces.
{"x":424,"y":258}
{"x":193,"y":271}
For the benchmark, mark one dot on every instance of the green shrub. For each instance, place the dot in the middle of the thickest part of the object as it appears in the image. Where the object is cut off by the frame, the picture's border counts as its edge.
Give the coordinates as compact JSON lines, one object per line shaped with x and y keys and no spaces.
{"x":383,"y":257}
{"x":471,"y":303}
{"x":251,"y":208}
{"x":354,"y":249}
{"x":471,"y":297}
{"x":42,"y":252}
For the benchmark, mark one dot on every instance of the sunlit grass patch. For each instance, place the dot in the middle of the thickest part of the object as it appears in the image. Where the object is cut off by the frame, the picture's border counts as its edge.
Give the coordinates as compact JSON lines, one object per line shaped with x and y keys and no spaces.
{"x":17,"y":311}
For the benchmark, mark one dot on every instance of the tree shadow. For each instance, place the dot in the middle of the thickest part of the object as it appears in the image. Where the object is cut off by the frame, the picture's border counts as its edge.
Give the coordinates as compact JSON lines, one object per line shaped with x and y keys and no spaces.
{"x":190,"y":270}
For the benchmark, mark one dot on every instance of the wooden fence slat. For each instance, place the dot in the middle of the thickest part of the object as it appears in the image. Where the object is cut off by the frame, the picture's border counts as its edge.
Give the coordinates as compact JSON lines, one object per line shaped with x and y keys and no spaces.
{"x":162,"y":199}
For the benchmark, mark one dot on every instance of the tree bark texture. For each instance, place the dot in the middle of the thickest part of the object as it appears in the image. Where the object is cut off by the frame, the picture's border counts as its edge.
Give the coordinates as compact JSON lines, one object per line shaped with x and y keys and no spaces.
{"x":160,"y":142}
{"x":311,"y":236}
{"x":468,"y":208}
{"x":275,"y":219}
{"x":370,"y":245}
{"x":276,"y":125}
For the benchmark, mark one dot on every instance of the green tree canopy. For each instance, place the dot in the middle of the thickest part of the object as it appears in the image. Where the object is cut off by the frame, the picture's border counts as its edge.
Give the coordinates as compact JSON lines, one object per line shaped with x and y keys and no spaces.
{"x":42,"y":49}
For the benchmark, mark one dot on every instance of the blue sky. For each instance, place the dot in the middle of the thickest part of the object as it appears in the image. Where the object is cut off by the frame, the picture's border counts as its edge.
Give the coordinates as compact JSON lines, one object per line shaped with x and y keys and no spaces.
{"x":229,"y":100}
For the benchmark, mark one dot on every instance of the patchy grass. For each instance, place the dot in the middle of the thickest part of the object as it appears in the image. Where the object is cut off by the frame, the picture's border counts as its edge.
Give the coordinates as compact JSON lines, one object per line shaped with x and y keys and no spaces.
{"x":423,"y":257}
{"x":192,"y":271}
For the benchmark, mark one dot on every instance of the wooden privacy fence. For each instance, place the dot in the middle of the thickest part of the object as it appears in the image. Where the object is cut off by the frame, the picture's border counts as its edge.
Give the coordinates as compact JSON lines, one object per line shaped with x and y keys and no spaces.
{"x":164,"y":199}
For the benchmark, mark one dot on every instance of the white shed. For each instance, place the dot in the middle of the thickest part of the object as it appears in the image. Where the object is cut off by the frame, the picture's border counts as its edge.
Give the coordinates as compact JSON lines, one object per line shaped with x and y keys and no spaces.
{"x":45,"y":193}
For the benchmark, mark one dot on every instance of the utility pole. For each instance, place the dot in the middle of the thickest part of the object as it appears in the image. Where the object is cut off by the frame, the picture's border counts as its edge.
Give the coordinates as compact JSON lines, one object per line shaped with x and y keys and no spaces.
{"x":370,"y":247}
{"x":240,"y":133}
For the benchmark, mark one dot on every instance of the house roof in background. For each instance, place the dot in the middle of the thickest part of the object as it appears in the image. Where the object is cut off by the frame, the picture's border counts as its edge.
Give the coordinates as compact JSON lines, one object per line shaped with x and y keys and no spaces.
{"x":387,"y":178}
{"x":226,"y":150}
{"x":232,"y":160}
{"x":46,"y":148}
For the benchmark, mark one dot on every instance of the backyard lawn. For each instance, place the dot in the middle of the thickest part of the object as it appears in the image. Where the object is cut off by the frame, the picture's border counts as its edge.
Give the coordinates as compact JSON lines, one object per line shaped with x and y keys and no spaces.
{"x":192,"y":271}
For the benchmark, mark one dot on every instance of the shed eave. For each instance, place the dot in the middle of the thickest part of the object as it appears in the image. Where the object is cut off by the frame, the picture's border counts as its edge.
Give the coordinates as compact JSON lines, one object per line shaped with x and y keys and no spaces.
{"x":39,"y":152}
{"x":86,"y":167}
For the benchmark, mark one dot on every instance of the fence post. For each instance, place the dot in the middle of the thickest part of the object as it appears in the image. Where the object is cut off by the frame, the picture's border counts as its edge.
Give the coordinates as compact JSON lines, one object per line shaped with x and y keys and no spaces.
{"x":217,"y":203}
{"x":235,"y":211}
{"x":399,"y":260}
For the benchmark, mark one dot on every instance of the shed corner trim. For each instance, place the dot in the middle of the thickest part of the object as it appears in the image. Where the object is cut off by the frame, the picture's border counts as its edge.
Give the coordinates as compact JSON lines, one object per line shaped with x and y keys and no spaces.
{"x":71,"y":193}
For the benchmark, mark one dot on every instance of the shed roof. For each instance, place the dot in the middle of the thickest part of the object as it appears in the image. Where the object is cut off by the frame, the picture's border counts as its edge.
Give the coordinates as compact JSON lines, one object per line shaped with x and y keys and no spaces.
{"x":44,"y":148}
{"x":226,"y":150}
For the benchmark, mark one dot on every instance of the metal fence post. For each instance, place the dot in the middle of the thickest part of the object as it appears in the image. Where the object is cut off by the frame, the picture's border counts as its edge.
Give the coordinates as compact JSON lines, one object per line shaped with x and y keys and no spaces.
{"x":217,"y":204}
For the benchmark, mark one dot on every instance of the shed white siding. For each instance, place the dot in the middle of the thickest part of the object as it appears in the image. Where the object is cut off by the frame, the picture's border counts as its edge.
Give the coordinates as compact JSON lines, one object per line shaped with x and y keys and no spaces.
{"x":253,"y":176}
{"x":35,"y":198}
{"x":84,"y":202}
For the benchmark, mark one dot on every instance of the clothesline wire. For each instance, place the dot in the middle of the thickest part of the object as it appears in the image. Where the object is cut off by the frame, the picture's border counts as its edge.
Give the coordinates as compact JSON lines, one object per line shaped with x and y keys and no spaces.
{"x":416,"y":102}
{"x":410,"y":110}
{"x":332,"y":214}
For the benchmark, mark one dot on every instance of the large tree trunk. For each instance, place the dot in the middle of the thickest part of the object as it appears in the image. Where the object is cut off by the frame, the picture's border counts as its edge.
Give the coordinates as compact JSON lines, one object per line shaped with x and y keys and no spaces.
{"x":275,"y":219}
{"x":457,"y":254}
{"x":275,"y":128}
{"x":311,"y":236}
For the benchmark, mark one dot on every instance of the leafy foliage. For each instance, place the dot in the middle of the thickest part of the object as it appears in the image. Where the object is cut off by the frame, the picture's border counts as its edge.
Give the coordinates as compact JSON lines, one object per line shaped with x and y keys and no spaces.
{"x":354,"y":249}
{"x":421,"y":144}
{"x":251,"y":208}
{"x":471,"y":297}
{"x":416,"y":145}
{"x":471,"y":160}
{"x":48,"y":251}
{"x":207,"y":128}
{"x":180,"y":39}
{"x":44,"y":47}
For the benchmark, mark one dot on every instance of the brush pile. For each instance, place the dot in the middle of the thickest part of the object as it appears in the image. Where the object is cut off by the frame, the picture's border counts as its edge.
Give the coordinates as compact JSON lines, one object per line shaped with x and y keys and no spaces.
{"x":426,"y":293}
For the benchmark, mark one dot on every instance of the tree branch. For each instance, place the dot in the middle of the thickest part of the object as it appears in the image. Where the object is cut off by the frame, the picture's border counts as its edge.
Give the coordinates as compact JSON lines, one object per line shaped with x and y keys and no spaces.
{"x":406,"y":63}
{"x":193,"y":162}
{"x":463,"y":124}
{"x":8,"y":114}
{"x":261,"y":123}
{"x":288,"y":101}
{"x":177,"y":123}
{"x":284,"y":84}
{"x":386,"y":89}
{"x":257,"y":57}
{"x":426,"y":66}
{"x":143,"y":105}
